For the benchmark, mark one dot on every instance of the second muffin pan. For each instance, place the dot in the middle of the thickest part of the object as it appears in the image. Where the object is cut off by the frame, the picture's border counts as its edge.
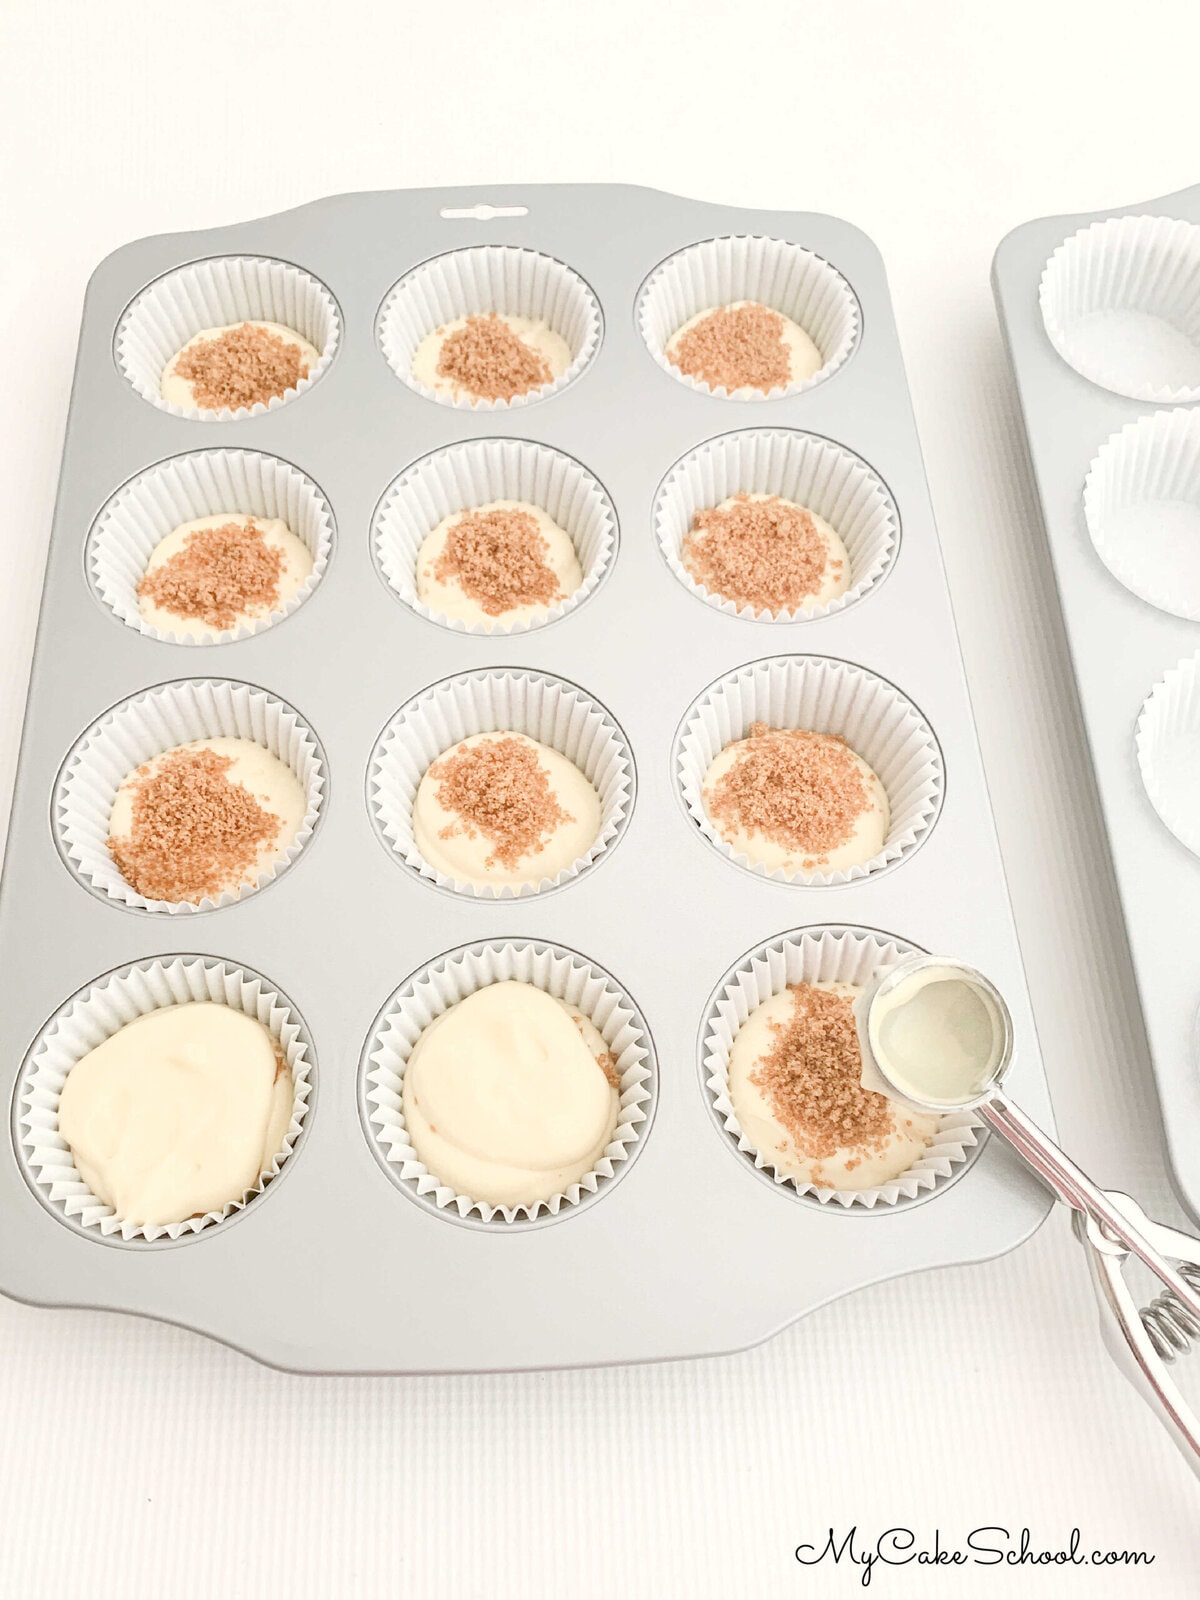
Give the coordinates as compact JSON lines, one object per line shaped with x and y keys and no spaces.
{"x":677,"y":1244}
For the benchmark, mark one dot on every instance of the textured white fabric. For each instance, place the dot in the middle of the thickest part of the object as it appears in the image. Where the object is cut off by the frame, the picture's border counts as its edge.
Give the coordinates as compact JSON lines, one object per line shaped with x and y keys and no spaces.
{"x":137,"y":1460}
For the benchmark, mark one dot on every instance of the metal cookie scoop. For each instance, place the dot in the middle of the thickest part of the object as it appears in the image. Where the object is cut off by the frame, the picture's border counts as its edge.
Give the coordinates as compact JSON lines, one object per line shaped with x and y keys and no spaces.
{"x":936,"y":1033}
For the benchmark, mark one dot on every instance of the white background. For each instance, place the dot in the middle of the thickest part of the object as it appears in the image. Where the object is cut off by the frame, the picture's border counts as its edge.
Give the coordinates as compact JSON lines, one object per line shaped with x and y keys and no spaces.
{"x":137,"y":1460}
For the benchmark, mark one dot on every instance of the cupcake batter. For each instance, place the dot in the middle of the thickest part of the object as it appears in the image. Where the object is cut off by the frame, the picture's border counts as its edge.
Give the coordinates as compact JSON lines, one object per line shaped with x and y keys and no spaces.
{"x":746,"y":348}
{"x":178,"y":1113}
{"x":240,"y":365}
{"x":510,"y":1096}
{"x":768,"y":553}
{"x":204,"y":819}
{"x":218,"y":573}
{"x":498,"y":565}
{"x":794,"y":1083}
{"x":490,"y":358}
{"x":500,"y":808}
{"x":798,"y":802}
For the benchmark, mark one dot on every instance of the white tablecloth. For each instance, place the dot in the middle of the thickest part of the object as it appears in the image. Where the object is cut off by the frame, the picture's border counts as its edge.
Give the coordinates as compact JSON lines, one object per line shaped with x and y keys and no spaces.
{"x":137,"y":1460}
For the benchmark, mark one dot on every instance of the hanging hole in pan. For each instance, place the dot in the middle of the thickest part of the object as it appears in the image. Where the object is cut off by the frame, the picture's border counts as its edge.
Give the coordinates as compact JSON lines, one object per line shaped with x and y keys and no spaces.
{"x":482,"y":213}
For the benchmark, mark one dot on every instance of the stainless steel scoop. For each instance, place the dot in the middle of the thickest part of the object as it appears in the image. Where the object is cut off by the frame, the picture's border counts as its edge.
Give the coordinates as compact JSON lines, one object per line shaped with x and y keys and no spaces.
{"x":1111,"y":1225}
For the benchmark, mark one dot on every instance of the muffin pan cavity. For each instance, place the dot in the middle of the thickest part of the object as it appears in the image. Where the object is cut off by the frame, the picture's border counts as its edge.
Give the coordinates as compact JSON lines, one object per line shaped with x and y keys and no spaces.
{"x":821,"y":954}
{"x":476,"y":473}
{"x":777,"y":273}
{"x":553,"y":712}
{"x":673,"y":1245}
{"x":93,"y":1015}
{"x":812,"y":472}
{"x":183,"y":489}
{"x":218,"y":293}
{"x":1119,"y":484}
{"x":819,"y":695}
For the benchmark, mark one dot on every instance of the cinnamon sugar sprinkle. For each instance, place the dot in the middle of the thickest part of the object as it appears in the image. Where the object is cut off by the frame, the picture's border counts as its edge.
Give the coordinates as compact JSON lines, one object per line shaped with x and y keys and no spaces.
{"x":194,"y":832}
{"x":498,"y":559}
{"x":242,"y":367}
{"x":810,"y":1078}
{"x":498,"y":789}
{"x":490,"y":361}
{"x":219,"y":575}
{"x":606,"y":1061}
{"x":765,"y":553}
{"x":803,"y":790}
{"x":736,"y":347}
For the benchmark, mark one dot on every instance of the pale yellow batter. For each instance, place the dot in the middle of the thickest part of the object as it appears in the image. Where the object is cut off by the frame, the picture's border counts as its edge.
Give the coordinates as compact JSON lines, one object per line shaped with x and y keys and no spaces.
{"x":293,"y":574}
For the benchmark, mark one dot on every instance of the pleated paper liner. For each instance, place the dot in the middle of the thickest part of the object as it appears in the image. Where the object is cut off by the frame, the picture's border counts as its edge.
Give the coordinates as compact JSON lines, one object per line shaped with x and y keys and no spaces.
{"x":474,"y":473}
{"x":433,"y":990}
{"x":547,"y":709}
{"x":821,"y":695}
{"x":206,"y":483}
{"x":1120,"y":302}
{"x":215,"y":294}
{"x":133,"y":732}
{"x":1141,"y":503}
{"x":94,"y":1015}
{"x":818,"y":955}
{"x":815,"y":473}
{"x":1167,"y":740}
{"x":779,"y":274}
{"x":500,"y":279}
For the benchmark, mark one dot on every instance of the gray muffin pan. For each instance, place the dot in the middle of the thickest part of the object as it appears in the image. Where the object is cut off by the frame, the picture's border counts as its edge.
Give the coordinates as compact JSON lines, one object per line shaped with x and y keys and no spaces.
{"x":1120,"y":647}
{"x":334,"y":1267}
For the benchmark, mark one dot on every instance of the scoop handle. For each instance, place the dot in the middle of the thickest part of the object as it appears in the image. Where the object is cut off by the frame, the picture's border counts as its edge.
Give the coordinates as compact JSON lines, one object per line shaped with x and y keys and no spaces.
{"x":1073,"y":1186}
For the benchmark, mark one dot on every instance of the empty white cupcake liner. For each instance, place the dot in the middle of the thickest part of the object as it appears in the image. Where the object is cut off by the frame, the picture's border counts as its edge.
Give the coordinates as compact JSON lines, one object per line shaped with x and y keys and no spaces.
{"x":818,"y":955}
{"x":504,"y":279}
{"x":1167,"y":740}
{"x":783,"y":276}
{"x":1121,"y":304}
{"x":475,"y":473}
{"x":95,"y":1014}
{"x":215,"y":294}
{"x":813,"y":472}
{"x":821,"y":695}
{"x":1141,"y":503}
{"x":207,"y":483}
{"x":443,"y":983}
{"x":547,"y":709}
{"x":135,"y":731}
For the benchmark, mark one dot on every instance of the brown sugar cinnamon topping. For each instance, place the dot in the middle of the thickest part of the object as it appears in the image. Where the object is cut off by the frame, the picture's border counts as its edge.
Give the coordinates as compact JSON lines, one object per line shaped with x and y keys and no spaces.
{"x":193,"y":832}
{"x":810,"y":1078}
{"x":736,"y":347}
{"x":242,"y":367}
{"x":219,"y":575}
{"x":498,"y":559}
{"x":490,"y":361}
{"x":499,"y":789}
{"x":765,"y":553}
{"x":803,"y":790}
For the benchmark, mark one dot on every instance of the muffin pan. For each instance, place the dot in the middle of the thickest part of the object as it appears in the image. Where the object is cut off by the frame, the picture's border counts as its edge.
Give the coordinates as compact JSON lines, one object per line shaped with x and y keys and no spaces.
{"x":677,"y":1245}
{"x":1101,"y":314}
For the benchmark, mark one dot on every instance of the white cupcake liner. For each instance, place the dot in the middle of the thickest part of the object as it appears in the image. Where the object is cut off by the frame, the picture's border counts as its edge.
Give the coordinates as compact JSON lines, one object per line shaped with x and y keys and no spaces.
{"x":95,"y":1014}
{"x":1141,"y":503}
{"x":441,"y":984}
{"x":215,"y":294}
{"x":784,"y":276}
{"x":1167,"y":739}
{"x":474,"y":473}
{"x":818,"y":955}
{"x":1121,"y":304}
{"x":504,"y":279}
{"x":547,"y":709}
{"x":815,"y":473}
{"x":142,"y":727}
{"x":821,"y":695}
{"x":207,"y":483}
